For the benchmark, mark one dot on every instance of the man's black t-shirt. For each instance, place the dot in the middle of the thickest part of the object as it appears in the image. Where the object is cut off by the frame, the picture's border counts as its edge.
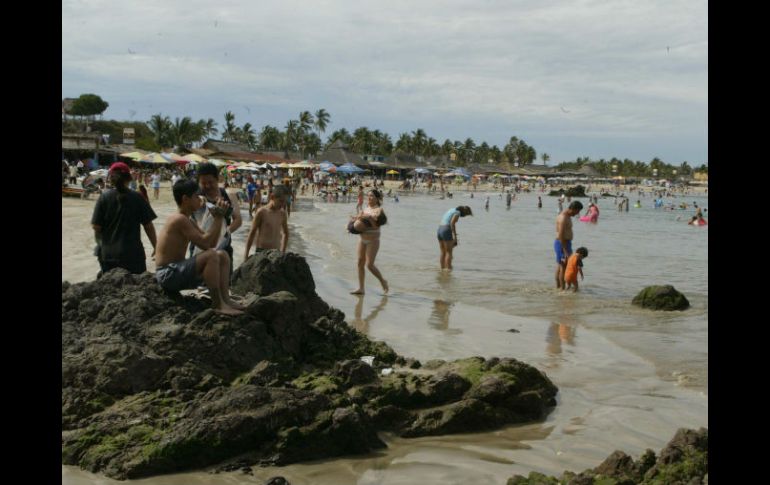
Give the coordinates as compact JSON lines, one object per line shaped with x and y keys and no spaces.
{"x":120,"y":220}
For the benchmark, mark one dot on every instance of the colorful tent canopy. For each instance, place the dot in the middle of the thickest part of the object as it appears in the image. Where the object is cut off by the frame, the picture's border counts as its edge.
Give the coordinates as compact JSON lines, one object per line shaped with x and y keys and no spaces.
{"x":136,"y":156}
{"x":194,"y":157}
{"x":155,"y":158}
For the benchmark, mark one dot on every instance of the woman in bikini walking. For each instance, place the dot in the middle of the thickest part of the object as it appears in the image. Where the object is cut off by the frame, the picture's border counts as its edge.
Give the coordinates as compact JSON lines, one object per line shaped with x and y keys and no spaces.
{"x":369,"y":244}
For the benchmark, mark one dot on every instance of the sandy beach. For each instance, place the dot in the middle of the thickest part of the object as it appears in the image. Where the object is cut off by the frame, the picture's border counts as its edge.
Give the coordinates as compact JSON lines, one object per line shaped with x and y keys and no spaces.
{"x":627,"y":377}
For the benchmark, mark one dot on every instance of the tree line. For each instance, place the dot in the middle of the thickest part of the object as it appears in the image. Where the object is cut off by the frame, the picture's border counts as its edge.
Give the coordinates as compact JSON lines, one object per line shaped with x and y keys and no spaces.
{"x":629,"y":168}
{"x":304,"y":135}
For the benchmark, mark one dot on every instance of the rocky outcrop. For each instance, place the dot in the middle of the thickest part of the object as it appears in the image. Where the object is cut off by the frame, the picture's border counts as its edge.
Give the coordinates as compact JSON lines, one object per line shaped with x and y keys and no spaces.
{"x":663,"y":297}
{"x":684,"y":461}
{"x":576,"y":191}
{"x":155,"y":382}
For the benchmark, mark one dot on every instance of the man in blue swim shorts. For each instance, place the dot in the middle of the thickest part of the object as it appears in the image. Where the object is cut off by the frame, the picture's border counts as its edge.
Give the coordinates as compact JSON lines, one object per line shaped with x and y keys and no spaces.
{"x":562,"y":246}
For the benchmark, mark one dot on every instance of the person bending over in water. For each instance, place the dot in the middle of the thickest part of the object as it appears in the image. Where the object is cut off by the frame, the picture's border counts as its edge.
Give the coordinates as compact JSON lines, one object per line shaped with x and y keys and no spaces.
{"x":212,"y":266}
{"x":447,"y":233}
{"x":270,"y":227}
{"x":575,"y":266}
{"x":369,"y":243}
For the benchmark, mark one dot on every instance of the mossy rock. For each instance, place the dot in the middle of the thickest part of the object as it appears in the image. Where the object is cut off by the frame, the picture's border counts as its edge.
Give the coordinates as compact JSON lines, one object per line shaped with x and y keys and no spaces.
{"x":661,"y":297}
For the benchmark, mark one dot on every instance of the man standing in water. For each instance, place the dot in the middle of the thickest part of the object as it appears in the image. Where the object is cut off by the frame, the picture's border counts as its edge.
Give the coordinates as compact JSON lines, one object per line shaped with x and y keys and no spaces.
{"x":563,"y":243}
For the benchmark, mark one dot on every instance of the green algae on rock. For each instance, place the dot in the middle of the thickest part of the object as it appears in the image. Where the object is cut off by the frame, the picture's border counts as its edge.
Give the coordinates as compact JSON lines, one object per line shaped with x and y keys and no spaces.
{"x":661,"y":297}
{"x":156,"y":383}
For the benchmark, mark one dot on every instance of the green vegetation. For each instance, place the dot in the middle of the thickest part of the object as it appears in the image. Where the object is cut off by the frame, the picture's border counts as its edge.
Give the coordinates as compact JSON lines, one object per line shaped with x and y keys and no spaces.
{"x":316,"y":382}
{"x":628,"y":168}
{"x":471,"y":368}
{"x":304,"y":135}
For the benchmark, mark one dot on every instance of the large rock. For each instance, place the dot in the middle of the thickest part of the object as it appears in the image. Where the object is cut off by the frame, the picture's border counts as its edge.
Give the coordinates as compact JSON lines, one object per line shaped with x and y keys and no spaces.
{"x":576,"y":191}
{"x":663,"y":297}
{"x":684,"y":461}
{"x":155,"y":382}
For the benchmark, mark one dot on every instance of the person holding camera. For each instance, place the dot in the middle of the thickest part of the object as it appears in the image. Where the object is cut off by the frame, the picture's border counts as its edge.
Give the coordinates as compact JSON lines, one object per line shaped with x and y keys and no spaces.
{"x":210,"y":266}
{"x":208,"y":180}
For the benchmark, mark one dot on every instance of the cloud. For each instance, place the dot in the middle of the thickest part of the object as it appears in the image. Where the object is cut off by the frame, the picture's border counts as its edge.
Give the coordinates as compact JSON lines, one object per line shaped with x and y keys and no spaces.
{"x":489,"y":69}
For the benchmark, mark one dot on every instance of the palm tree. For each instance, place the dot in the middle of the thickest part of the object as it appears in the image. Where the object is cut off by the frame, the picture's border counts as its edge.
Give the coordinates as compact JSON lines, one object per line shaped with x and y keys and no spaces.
{"x":342,"y":135}
{"x":468,"y":149}
{"x":384,"y":144}
{"x":312,"y":144}
{"x":321,"y":121}
{"x":290,"y":137}
{"x":419,"y":141}
{"x":181,"y":132}
{"x":270,"y":138}
{"x":230,"y":129}
{"x":210,"y":128}
{"x":545,"y":157}
{"x":404,"y":142}
{"x":447,"y":148}
{"x":248,"y":136}
{"x":305,"y":121}
{"x":362,"y":140}
{"x":160,"y":125}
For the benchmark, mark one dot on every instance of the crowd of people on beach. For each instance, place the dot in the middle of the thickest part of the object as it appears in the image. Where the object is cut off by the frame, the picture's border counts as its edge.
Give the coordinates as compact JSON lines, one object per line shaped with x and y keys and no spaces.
{"x":194,"y":248}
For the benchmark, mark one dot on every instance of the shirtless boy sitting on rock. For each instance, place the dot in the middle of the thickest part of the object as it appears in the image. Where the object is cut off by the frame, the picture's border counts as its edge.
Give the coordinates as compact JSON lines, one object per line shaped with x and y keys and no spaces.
{"x":270,"y":228}
{"x":212,"y":266}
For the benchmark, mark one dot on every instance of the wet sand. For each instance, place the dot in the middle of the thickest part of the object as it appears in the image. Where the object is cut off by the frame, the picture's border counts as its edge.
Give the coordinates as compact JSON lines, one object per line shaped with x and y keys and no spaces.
{"x":609,"y":398}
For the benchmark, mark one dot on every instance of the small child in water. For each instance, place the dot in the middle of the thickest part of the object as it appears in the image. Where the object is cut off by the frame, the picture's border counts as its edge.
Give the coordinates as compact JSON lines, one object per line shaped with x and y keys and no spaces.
{"x":362,"y":222}
{"x":575,"y":266}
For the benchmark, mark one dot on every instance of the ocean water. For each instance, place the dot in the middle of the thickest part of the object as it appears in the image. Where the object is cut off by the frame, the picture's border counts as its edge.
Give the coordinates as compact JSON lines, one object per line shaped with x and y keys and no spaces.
{"x":628,"y":378}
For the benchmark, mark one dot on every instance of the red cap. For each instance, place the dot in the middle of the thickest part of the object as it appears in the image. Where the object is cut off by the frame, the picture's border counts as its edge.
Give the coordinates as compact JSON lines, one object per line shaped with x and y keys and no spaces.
{"x":120,"y":167}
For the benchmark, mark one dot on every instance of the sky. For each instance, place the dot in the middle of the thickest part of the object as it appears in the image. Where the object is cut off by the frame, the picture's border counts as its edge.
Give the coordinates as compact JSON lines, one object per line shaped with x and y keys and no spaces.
{"x":572,"y":78}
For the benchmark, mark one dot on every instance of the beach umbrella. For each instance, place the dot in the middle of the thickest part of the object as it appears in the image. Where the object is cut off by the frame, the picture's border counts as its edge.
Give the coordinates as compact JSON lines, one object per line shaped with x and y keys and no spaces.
{"x":326,"y":165}
{"x":392,"y":172}
{"x":349,"y":168}
{"x":194,"y":157}
{"x":102,"y":172}
{"x":136,"y":156}
{"x":155,"y":158}
{"x":421,"y":170}
{"x":171,"y":156}
{"x":217,"y":162}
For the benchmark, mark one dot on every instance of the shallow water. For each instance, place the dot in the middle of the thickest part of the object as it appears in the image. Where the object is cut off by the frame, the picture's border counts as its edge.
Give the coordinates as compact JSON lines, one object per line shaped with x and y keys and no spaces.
{"x":627,"y":377}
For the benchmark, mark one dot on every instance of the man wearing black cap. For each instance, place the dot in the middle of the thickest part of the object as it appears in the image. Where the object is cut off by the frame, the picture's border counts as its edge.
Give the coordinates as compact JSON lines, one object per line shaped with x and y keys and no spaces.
{"x":117,"y":216}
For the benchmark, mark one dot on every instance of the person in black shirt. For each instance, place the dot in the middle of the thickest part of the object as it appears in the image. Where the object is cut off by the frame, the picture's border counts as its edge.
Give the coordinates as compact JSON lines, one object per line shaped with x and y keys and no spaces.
{"x":116,"y":219}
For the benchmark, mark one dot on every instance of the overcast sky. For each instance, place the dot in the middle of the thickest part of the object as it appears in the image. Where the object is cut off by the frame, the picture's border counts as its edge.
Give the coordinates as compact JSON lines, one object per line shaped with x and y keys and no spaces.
{"x":625,"y":78}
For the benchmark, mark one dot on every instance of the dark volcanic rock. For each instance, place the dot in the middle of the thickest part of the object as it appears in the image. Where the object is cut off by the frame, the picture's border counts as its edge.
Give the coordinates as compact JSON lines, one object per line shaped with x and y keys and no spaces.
{"x":683,"y":461}
{"x":576,"y":191}
{"x":663,"y":297}
{"x":155,"y":382}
